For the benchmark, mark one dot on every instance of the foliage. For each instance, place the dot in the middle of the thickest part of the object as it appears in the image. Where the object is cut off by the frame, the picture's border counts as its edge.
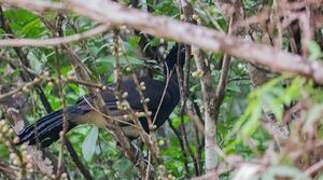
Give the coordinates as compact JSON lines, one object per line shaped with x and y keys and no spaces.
{"x":240,"y":130}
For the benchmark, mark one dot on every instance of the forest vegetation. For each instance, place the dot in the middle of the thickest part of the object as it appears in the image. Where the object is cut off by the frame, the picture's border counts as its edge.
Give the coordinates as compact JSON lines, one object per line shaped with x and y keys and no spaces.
{"x":251,"y":88}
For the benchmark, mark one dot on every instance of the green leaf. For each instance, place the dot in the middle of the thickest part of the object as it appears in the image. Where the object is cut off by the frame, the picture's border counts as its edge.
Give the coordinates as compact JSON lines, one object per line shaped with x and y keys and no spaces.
{"x":274,"y":105}
{"x":35,"y":64}
{"x":234,"y":87}
{"x":32,"y":28}
{"x":89,"y":144}
{"x":176,"y":121}
{"x":123,"y":60}
{"x":134,"y":41}
{"x":252,"y":124}
{"x":315,"y":51}
{"x":3,"y":151}
{"x":122,"y":165}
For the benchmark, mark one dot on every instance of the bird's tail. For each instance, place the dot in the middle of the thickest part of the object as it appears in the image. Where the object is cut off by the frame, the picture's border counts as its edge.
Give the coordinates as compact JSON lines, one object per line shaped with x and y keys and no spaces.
{"x":44,"y":131}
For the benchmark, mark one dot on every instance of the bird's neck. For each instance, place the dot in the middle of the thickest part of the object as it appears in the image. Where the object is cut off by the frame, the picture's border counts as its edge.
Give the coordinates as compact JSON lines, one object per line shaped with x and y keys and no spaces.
{"x":173,"y":84}
{"x":176,"y":57}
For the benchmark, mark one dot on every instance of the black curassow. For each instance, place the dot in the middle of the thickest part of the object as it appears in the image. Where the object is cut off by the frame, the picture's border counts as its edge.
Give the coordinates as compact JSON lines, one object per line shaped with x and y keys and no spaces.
{"x":46,"y":130}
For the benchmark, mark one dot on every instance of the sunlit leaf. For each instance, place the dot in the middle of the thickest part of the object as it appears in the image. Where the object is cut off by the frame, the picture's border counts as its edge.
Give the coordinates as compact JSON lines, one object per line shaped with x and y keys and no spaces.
{"x":315,"y":51}
{"x":89,"y":144}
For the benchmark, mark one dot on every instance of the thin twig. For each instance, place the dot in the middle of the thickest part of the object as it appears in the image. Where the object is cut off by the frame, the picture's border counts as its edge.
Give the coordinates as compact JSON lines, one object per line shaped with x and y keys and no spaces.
{"x":54,"y":41}
{"x":314,"y":168}
{"x":184,"y":77}
{"x":85,"y":171}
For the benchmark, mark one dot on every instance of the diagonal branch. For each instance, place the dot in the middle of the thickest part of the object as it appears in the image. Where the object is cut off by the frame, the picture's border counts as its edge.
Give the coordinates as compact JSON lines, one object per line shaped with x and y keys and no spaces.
{"x":53,"y":41}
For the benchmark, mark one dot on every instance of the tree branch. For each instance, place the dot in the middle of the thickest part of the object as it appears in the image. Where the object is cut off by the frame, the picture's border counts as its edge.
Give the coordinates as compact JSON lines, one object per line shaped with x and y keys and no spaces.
{"x":202,"y":37}
{"x":54,"y":41}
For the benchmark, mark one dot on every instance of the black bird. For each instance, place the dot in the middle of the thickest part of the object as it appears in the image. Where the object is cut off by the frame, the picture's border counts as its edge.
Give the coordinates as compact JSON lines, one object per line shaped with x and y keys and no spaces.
{"x":46,"y":130}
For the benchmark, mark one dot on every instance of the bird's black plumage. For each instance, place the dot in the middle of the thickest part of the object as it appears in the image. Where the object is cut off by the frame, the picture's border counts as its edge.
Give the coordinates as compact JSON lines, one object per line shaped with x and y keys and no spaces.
{"x":46,"y":130}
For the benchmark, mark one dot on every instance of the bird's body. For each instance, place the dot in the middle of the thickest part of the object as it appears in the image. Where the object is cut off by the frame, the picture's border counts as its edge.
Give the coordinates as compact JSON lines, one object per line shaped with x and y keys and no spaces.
{"x":166,"y":95}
